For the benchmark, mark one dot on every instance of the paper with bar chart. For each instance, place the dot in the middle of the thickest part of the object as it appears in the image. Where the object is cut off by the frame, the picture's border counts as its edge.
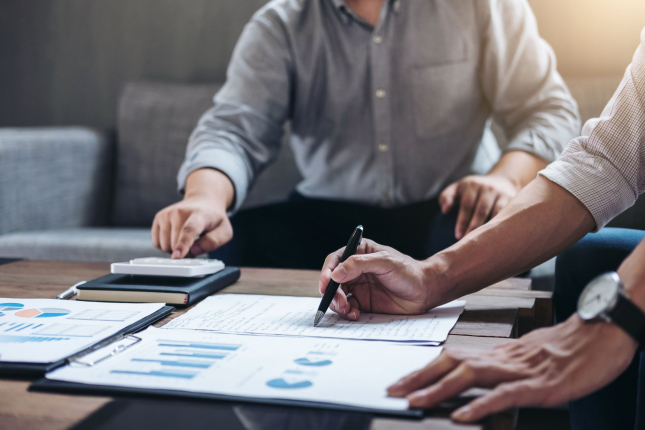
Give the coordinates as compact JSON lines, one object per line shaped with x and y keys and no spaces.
{"x":294,"y":316}
{"x":311,"y":369}
{"x":45,"y":330}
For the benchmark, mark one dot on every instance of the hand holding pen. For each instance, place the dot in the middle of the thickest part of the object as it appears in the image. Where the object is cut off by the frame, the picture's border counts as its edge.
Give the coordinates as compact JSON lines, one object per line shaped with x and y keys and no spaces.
{"x":380,"y":279}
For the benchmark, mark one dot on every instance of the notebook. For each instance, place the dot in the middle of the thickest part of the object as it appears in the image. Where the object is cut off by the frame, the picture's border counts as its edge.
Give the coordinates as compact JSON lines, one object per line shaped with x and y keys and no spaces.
{"x":178,"y":291}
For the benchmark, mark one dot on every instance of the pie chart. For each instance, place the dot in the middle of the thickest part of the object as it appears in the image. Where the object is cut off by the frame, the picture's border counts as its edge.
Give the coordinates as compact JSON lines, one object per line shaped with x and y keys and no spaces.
{"x":283,"y":384}
{"x":308,"y":362}
{"x":9,"y":307}
{"x":42,"y":313}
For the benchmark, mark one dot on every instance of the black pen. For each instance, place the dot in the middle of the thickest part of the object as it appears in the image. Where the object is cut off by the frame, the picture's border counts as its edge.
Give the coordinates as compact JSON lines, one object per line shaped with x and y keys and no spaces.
{"x":332,"y":287}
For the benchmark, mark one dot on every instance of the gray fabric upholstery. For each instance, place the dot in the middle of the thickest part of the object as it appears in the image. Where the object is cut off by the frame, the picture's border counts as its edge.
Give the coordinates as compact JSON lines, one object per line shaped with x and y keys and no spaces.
{"x":154,"y":121}
{"x":53,"y":178}
{"x":80,"y":244}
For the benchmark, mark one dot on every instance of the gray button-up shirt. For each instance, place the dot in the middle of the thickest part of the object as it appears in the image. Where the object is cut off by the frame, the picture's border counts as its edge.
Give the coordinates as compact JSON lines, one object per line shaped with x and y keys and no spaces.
{"x":385,"y":115}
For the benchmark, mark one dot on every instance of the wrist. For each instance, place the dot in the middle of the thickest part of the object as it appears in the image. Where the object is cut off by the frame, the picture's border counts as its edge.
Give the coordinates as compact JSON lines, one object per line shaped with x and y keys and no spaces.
{"x":514,"y":182}
{"x":603,"y":330}
{"x":436,"y":281}
{"x":212,"y":185}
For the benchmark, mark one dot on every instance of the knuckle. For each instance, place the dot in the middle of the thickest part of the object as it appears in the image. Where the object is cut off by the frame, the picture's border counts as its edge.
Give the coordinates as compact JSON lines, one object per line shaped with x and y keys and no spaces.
{"x":188,"y":228}
{"x":385,"y":254}
{"x":482,"y":211}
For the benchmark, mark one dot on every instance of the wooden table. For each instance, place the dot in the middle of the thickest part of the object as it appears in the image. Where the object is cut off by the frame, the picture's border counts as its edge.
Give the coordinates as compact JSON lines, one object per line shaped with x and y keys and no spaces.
{"x":492,"y":316}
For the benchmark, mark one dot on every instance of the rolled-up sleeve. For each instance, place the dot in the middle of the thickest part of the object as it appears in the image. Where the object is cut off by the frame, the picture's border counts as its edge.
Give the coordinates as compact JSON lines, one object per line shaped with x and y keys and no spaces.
{"x":242,"y":133}
{"x":529,"y":99}
{"x":605,"y":167}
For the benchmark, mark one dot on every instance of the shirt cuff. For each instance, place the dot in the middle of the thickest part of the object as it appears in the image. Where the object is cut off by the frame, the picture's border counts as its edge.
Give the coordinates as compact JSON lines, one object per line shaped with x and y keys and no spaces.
{"x":531,"y":142}
{"x":225,"y":162}
{"x":599,"y":186}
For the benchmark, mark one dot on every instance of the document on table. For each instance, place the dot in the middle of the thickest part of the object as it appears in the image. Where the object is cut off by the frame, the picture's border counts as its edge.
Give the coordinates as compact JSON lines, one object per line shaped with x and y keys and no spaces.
{"x":294,"y":316}
{"x":306,"y":369}
{"x":46,"y":330}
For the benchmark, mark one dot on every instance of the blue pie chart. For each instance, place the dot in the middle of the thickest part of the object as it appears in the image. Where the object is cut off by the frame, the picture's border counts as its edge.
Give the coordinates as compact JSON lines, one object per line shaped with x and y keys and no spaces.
{"x":9,"y":307}
{"x":307,"y":362}
{"x":282,"y":384}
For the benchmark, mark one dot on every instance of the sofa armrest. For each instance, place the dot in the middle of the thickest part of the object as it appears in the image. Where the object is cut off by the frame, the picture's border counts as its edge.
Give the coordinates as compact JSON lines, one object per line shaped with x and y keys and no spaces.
{"x":53,"y":178}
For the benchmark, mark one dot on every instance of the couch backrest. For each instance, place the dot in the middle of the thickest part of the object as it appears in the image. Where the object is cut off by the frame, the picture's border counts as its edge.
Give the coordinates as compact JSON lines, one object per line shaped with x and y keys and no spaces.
{"x":154,"y":121}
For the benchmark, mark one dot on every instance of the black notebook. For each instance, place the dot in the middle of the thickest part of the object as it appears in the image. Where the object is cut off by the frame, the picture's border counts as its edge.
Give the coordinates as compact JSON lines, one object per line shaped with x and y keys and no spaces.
{"x":175,"y":291}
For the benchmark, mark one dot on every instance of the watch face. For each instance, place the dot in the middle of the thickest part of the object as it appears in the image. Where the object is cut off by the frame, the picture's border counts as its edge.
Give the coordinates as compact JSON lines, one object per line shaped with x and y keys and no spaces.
{"x":599,"y":296}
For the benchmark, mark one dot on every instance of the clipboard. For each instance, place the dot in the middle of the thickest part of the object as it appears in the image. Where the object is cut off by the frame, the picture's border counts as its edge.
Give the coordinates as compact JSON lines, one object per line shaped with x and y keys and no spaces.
{"x":20,"y":370}
{"x":117,"y":346}
{"x":62,"y":387}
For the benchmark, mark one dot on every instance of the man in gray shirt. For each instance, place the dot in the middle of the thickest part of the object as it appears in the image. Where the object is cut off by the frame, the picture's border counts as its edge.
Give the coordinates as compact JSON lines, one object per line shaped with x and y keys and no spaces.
{"x":388,"y":103}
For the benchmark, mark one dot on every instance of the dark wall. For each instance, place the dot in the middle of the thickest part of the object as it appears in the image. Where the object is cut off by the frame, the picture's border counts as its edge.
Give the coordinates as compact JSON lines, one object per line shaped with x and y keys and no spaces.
{"x":65,"y":61}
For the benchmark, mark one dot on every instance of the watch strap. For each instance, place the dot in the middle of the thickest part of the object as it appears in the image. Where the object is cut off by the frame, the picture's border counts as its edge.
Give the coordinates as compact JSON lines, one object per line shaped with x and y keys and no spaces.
{"x":630,"y":318}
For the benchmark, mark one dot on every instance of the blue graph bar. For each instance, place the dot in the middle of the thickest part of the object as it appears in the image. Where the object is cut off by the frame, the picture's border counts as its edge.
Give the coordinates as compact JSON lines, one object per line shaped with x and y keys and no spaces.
{"x":1,"y":324}
{"x":22,"y":328}
{"x":221,"y":346}
{"x":24,"y":339}
{"x":176,"y":363}
{"x":16,"y":326}
{"x":157,"y":373}
{"x":36,"y":326}
{"x":193,"y":354}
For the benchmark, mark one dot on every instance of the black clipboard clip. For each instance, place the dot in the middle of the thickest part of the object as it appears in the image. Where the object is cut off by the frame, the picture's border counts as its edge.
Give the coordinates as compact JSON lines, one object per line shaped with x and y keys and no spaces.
{"x":116,"y":349}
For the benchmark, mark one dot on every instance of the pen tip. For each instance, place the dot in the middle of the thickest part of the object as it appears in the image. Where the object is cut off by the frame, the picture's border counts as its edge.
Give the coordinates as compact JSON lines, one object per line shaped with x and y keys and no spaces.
{"x":319,"y":317}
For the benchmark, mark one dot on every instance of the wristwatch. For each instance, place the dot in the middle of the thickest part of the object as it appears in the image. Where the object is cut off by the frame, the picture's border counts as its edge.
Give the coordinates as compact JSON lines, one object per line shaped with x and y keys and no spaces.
{"x":605,"y":298}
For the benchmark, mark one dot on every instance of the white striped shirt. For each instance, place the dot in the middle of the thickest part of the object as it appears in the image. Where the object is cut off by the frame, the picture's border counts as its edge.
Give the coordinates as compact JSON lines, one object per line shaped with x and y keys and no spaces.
{"x":605,"y":167}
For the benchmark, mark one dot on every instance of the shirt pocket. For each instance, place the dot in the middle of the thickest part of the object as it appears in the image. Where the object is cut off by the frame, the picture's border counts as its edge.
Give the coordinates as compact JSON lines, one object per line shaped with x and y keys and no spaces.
{"x":442,"y":97}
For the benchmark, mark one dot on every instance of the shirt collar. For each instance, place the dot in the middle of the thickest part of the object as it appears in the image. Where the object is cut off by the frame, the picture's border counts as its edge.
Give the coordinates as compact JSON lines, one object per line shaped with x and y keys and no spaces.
{"x":346,"y":13}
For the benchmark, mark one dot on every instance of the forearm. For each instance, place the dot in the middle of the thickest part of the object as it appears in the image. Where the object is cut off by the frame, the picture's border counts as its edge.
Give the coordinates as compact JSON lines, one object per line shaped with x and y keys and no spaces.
{"x":519,"y":167}
{"x":539,"y":223}
{"x":210,"y":183}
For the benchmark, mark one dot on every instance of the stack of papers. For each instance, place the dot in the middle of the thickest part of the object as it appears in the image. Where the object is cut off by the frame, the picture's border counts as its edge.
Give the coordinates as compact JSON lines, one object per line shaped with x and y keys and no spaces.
{"x":46,"y":330}
{"x":294,"y":316}
{"x":260,"y":367}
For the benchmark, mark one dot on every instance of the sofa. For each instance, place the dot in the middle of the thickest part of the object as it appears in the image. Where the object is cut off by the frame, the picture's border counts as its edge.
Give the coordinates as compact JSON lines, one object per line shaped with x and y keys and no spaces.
{"x":75,"y":193}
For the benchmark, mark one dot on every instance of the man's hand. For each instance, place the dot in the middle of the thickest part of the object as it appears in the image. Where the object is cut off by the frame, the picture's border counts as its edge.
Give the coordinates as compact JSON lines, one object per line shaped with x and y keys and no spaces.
{"x":199,"y":223}
{"x":546,"y":367}
{"x":380,"y":279}
{"x":480,"y":198}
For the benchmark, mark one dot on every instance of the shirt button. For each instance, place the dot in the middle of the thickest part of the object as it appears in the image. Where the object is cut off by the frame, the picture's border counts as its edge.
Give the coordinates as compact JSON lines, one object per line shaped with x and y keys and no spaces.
{"x":380,"y":94}
{"x":383,"y":147}
{"x":377,"y":39}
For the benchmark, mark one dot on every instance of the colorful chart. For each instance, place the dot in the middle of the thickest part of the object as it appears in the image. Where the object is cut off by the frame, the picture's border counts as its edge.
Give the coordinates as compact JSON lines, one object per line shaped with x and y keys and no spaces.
{"x":283,"y":384}
{"x":9,"y":307}
{"x":42,"y":313}
{"x":308,"y":362}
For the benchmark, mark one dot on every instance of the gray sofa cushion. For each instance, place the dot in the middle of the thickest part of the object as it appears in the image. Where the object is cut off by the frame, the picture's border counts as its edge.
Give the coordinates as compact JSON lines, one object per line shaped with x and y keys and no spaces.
{"x":80,"y":244}
{"x":53,"y":177}
{"x":154,"y":121}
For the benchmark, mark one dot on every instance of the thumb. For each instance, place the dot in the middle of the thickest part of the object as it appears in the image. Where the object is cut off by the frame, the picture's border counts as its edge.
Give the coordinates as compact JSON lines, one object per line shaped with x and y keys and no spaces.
{"x":447,"y":197}
{"x":378,"y":263}
{"x":214,"y":238}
